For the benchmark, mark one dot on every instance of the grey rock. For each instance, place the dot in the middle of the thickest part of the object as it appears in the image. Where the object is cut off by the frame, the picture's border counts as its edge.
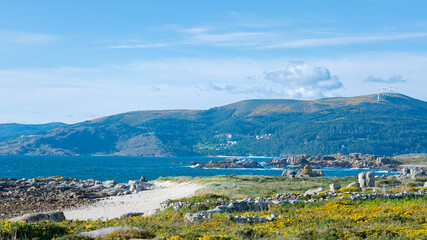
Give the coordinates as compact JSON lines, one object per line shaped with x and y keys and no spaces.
{"x":404,"y":171}
{"x":151,"y":212}
{"x":110,"y":182}
{"x":335,"y":187}
{"x":37,"y":217}
{"x":314,"y":191}
{"x":105,"y":231}
{"x":366,"y":179}
{"x":288,"y":173}
{"x":354,"y":184}
{"x":131,"y":214}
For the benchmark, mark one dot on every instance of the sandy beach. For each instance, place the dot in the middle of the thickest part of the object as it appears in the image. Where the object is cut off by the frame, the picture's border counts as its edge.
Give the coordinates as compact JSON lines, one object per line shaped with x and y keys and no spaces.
{"x":144,"y":201}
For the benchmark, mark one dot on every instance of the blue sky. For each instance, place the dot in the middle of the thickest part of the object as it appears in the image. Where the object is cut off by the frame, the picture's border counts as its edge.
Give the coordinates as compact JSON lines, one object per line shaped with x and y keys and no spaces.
{"x":71,"y":61}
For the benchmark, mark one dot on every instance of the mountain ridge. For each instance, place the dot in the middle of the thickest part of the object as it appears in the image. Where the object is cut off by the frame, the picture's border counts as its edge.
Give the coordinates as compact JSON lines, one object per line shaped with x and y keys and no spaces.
{"x":269,"y":127}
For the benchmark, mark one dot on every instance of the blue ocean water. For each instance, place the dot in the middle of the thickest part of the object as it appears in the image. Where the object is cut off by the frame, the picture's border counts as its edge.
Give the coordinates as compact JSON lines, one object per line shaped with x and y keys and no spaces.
{"x":123,"y":169}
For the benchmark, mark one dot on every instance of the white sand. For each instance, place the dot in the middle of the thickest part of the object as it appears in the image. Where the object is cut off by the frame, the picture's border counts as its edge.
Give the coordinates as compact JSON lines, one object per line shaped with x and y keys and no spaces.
{"x":144,"y":201}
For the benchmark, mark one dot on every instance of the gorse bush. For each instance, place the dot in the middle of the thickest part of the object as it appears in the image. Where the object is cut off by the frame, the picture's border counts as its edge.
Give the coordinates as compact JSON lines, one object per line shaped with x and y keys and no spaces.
{"x":350,"y":189}
{"x":20,"y":230}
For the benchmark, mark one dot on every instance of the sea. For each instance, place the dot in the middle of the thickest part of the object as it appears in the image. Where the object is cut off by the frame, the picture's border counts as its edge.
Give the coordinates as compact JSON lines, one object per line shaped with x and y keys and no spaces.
{"x":124,"y":169}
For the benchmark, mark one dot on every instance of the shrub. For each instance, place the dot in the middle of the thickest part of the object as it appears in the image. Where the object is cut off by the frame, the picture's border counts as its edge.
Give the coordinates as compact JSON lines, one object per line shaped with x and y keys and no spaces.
{"x":386,"y":182}
{"x":249,"y":233}
{"x":21,"y":230}
{"x":350,"y":189}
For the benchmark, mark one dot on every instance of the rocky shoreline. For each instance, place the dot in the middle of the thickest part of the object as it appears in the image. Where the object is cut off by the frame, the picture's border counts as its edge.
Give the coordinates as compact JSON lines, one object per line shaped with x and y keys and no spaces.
{"x":22,"y":196}
{"x":353,"y":160}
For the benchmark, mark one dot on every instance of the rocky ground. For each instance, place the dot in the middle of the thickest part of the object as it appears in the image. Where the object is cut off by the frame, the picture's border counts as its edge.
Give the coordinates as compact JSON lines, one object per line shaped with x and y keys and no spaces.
{"x":21,"y":196}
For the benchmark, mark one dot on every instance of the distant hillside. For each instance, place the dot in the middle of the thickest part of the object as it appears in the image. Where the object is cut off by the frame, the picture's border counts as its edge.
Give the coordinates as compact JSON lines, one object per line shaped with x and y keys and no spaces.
{"x":269,"y":127}
{"x":13,"y":130}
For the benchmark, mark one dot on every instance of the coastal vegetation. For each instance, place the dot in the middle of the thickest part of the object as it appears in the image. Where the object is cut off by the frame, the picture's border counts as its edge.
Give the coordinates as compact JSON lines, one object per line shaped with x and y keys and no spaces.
{"x":336,"y":219}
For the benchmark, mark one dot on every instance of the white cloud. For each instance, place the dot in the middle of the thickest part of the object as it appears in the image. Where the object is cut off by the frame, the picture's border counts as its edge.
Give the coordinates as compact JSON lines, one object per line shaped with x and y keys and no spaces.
{"x":336,"y":41}
{"x":268,"y":39}
{"x":228,"y":38}
{"x":154,"y":45}
{"x":393,"y":79}
{"x":7,"y":36}
{"x":296,"y":80}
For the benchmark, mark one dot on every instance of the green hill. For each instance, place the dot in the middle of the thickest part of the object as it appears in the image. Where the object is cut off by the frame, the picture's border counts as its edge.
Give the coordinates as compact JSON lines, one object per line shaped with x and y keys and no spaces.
{"x":12,"y":130}
{"x":266,"y":127}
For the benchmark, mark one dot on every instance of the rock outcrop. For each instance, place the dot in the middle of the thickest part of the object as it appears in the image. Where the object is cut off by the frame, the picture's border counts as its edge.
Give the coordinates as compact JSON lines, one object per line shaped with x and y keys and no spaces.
{"x":289,"y":173}
{"x":37,"y":217}
{"x":307,"y":171}
{"x":229,"y":163}
{"x":412,"y":172}
{"x":335,"y":187}
{"x":366,"y":179}
{"x":353,"y":160}
{"x":105,"y":231}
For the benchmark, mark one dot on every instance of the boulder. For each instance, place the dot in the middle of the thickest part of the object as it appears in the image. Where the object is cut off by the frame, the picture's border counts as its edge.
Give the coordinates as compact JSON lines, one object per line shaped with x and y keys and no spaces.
{"x":131,"y":214}
{"x":404,"y":171}
{"x":416,"y":172}
{"x":194,"y":217}
{"x":288,"y":173}
{"x":354,"y":184}
{"x":105,"y":231}
{"x":37,"y":217}
{"x":110,"y":182}
{"x":366,"y":179}
{"x":307,"y":171}
{"x":314,"y":191}
{"x":152,"y":211}
{"x":335,"y":187}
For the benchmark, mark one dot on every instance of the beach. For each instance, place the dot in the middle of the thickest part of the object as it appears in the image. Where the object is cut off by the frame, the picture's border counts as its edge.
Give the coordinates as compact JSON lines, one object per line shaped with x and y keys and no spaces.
{"x":146,"y":202}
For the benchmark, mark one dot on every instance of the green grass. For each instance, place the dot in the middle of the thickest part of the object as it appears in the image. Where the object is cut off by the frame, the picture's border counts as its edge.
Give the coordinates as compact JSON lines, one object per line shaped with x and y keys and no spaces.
{"x":412,"y":161}
{"x":243,"y":186}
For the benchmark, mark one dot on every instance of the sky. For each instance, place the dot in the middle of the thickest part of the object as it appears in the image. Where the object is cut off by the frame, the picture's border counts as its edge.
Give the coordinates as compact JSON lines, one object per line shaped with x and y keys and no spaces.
{"x":71,"y":61}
